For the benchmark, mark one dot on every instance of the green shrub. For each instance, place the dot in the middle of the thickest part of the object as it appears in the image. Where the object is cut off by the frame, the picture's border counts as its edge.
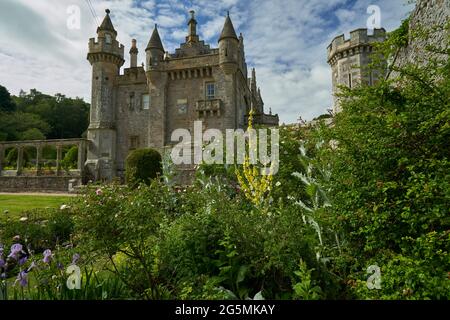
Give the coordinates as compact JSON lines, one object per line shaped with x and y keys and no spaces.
{"x":70,"y":159}
{"x":11,"y":157}
{"x":41,"y":228}
{"x":390,"y":183}
{"x":142,"y":165}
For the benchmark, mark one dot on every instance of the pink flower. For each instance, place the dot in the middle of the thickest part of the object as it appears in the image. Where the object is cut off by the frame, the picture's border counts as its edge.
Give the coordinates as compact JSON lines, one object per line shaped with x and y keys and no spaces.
{"x":99,"y":192}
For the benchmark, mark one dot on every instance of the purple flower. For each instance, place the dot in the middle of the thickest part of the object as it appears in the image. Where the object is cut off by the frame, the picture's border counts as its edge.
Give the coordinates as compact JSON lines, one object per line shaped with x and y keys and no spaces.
{"x":15,"y":250}
{"x":2,"y":263}
{"x":75,"y":258}
{"x":59,"y":265}
{"x":47,"y":256}
{"x":23,"y":260}
{"x":22,"y":278}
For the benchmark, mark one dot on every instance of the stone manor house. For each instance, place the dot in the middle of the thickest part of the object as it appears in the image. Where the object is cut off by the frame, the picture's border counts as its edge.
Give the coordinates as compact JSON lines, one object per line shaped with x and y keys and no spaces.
{"x":142,"y":106}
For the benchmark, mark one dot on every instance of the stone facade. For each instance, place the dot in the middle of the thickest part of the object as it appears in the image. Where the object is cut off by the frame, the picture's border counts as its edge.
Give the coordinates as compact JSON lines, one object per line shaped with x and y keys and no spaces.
{"x":142,"y":106}
{"x":430,"y":16}
{"x":349,"y":59}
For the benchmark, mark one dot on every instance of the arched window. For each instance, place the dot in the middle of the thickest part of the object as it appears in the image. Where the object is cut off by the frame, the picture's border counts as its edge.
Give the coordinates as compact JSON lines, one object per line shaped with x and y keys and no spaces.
{"x":108,"y":38}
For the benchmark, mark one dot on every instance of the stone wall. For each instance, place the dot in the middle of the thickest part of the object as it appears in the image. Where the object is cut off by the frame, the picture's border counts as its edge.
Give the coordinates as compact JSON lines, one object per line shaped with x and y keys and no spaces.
{"x":38,"y":184}
{"x":430,"y":16}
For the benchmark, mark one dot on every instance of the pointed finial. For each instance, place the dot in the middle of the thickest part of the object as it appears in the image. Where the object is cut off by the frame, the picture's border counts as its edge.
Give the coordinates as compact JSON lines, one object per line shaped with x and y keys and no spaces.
{"x":228,"y":13}
{"x":156,"y":26}
{"x":192,"y":12}
{"x":108,"y":11}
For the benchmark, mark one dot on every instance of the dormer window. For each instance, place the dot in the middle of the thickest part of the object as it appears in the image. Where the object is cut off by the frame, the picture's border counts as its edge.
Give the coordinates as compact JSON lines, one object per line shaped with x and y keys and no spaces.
{"x":108,"y":38}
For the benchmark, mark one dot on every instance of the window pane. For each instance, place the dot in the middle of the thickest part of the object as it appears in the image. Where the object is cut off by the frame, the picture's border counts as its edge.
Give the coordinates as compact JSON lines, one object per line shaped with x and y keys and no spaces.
{"x":145,"y":101}
{"x":210,"y":90}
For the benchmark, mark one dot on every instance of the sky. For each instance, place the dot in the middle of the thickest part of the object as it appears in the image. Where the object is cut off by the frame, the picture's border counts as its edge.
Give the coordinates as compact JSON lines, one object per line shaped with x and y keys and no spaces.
{"x":43,"y":46}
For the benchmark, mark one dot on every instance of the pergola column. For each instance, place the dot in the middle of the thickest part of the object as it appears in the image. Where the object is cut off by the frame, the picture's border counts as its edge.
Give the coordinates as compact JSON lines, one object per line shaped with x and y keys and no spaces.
{"x":19,"y":160}
{"x":58,"y":159}
{"x":81,"y":156}
{"x":38,"y":159}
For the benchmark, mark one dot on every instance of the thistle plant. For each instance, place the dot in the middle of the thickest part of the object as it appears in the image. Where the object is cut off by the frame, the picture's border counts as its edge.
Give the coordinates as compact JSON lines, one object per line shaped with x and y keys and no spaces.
{"x":317,"y":199}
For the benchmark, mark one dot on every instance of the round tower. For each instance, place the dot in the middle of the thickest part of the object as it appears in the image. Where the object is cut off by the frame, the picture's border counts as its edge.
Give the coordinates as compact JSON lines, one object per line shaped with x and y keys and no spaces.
{"x":228,"y":48}
{"x":349,"y":60}
{"x":106,"y":57}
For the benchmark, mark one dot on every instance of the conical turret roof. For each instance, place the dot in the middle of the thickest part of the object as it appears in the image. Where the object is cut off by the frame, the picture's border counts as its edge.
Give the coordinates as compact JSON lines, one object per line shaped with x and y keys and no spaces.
{"x":155,"y":40}
{"x":228,"y":29}
{"x":107,"y":24}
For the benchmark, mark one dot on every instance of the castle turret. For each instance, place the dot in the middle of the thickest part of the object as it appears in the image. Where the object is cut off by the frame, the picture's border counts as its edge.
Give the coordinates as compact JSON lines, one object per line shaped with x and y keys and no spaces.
{"x":133,"y":54}
{"x":106,"y":56}
{"x":350,"y":58}
{"x":155,"y":50}
{"x":228,"y":47}
{"x":157,"y":82}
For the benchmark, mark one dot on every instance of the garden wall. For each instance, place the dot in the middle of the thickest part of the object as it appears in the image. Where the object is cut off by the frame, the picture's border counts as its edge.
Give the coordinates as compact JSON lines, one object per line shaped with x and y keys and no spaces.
{"x":38,"y":183}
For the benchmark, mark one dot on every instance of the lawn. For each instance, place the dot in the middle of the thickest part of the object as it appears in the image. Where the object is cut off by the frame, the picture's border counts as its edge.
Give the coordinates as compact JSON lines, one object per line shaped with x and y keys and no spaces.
{"x":16,"y":204}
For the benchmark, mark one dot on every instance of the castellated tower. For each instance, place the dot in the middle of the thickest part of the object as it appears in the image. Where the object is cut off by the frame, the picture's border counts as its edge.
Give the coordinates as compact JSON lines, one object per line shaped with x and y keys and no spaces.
{"x":106,"y":57}
{"x":349,"y":60}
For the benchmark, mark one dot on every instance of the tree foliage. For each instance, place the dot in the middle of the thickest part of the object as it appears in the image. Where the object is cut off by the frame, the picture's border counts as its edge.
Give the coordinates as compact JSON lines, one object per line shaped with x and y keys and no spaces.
{"x":56,"y":117}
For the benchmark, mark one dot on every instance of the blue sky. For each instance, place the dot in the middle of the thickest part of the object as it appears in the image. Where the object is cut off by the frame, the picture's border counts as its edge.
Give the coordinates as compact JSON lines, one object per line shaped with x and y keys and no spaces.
{"x":285,"y":40}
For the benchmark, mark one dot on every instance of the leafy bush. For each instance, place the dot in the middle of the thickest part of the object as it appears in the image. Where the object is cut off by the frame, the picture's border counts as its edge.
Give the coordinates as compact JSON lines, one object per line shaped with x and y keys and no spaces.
{"x":40,"y":228}
{"x":11,"y":157}
{"x":70,"y":159}
{"x":142,"y":165}
{"x":390,"y":183}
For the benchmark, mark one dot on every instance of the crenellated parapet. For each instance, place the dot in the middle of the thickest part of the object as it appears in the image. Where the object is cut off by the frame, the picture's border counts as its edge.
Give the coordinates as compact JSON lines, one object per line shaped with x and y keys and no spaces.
{"x":359,"y":42}
{"x":109,"y":52}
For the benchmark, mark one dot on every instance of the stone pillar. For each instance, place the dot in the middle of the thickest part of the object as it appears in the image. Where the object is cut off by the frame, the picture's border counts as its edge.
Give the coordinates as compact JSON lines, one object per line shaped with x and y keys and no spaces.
{"x":38,"y":159}
{"x":81,"y":156}
{"x":19,"y":160}
{"x":2,"y":158}
{"x":58,"y":159}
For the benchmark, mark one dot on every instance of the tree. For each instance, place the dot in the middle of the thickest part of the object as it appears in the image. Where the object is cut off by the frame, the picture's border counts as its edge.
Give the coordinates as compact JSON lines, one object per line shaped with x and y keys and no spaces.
{"x":66,"y":117}
{"x":14,"y":124}
{"x":32,"y":134}
{"x":6,"y":102}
